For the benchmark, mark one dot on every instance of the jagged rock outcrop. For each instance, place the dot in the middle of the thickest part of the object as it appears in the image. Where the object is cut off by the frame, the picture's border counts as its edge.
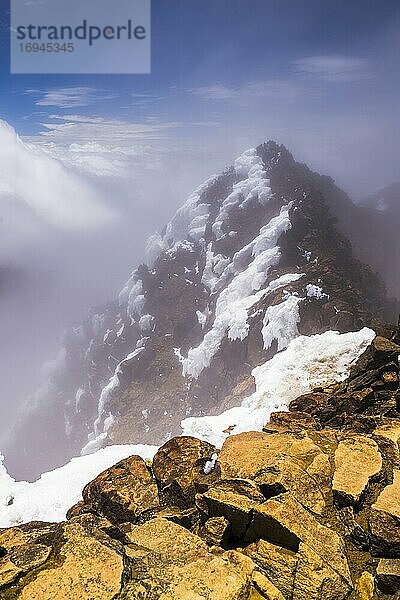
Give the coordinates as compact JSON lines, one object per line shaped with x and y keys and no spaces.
{"x":365,"y":398}
{"x":271,"y":516}
{"x":252,"y":260}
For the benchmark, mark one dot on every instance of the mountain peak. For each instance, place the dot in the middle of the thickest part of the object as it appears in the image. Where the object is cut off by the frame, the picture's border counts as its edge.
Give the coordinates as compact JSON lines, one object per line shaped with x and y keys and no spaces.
{"x":251,"y":261}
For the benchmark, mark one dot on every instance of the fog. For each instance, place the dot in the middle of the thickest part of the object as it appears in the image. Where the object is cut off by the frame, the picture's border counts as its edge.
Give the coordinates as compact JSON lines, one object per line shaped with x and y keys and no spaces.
{"x":68,"y":241}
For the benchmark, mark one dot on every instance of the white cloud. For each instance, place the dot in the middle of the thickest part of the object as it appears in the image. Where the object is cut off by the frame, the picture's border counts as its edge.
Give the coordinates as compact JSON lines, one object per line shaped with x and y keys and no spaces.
{"x":146,"y":100}
{"x":79,"y":128}
{"x":104,"y":147}
{"x":248,"y":93}
{"x":70,"y":97}
{"x":334,"y":68}
{"x":33,"y":183}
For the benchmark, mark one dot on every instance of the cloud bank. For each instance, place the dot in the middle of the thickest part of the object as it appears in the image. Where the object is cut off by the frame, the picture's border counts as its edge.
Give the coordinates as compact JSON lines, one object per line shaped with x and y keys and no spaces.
{"x":33,"y":182}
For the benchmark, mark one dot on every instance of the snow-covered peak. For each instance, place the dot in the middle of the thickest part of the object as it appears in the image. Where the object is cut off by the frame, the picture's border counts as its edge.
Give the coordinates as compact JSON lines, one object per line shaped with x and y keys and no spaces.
{"x":250,"y":262}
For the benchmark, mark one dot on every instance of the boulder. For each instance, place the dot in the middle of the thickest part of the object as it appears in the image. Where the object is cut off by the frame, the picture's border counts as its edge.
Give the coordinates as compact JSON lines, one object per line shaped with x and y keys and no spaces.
{"x":179,"y":466}
{"x":320,"y":469}
{"x":365,"y":586}
{"x":383,"y":349}
{"x":290,"y":421}
{"x":384,"y":520}
{"x":248,"y":455}
{"x":380,"y":352}
{"x":316,"y":579}
{"x":20,"y":560}
{"x":24,"y":549}
{"x":228,"y":577}
{"x":177,"y":565}
{"x":276,"y":563}
{"x":85,"y":564}
{"x":391,"y":379}
{"x":124,"y":492}
{"x":284,"y":521}
{"x":277,"y":462}
{"x":233,"y":499}
{"x":216,"y":531}
{"x":358,"y":462}
{"x":80,"y":508}
{"x":301,"y":575}
{"x":311,"y":403}
{"x":267,"y":589}
{"x":187,"y":517}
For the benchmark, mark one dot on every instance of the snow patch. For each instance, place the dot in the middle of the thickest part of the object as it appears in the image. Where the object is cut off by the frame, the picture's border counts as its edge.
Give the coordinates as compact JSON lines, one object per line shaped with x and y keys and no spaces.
{"x":210,"y":464}
{"x":155,"y":246}
{"x":50,"y":497}
{"x":146,"y":323}
{"x":308,"y":362}
{"x":213,"y":269}
{"x":315,"y":291}
{"x":254,"y":186}
{"x":188,"y":223}
{"x":104,"y":421}
{"x":203,"y":317}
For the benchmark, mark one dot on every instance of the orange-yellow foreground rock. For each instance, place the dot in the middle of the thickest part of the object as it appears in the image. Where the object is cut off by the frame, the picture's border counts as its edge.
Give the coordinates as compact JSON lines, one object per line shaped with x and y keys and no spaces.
{"x":301,"y":511}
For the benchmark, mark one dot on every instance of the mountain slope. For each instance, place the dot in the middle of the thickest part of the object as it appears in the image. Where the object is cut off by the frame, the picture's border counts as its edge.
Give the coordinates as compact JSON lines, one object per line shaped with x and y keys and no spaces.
{"x":251,"y":261}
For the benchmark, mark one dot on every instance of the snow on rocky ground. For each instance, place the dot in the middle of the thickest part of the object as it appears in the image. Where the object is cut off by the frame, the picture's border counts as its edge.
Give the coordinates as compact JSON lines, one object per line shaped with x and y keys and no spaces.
{"x":49,"y":498}
{"x":307,"y":362}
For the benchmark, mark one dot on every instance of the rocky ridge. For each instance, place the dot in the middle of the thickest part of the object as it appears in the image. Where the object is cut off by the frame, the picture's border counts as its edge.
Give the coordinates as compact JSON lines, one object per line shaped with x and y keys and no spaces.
{"x":307,"y":509}
{"x":252,"y":249}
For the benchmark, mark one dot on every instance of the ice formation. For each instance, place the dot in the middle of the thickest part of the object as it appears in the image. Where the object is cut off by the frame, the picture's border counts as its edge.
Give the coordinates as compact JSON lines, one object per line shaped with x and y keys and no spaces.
{"x":245,"y":289}
{"x":280,"y":322}
{"x":254,"y":185}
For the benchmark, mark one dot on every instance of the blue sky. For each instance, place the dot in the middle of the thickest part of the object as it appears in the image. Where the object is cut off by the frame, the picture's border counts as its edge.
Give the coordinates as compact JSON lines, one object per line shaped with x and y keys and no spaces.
{"x":320,"y":76}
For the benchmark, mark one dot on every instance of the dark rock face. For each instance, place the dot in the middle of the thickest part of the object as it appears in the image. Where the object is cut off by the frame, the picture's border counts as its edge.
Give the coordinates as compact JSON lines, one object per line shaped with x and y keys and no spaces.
{"x":173,"y":302}
{"x":388,"y":575}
